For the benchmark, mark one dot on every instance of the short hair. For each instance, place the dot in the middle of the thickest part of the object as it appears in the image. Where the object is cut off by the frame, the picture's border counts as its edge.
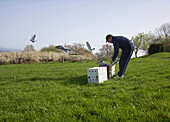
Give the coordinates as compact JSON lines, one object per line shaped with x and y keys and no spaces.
{"x":108,"y":36}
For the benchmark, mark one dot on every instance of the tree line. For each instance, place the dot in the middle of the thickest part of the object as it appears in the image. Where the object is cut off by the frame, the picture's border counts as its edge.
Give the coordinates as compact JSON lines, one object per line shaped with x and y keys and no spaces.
{"x":76,"y":48}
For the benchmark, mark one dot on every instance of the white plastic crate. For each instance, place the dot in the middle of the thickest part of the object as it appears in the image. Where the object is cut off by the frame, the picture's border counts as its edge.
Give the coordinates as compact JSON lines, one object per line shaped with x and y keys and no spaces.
{"x":97,"y":74}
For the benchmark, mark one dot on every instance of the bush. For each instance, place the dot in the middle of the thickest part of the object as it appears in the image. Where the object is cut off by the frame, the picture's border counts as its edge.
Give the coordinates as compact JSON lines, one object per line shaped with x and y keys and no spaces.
{"x":29,"y":48}
{"x":40,"y":56}
{"x":155,"y":48}
{"x":166,"y":44}
{"x":78,"y":48}
{"x":51,"y":48}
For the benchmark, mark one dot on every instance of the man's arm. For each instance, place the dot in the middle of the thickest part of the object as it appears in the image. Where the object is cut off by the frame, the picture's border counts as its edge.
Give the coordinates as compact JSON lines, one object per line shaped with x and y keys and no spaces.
{"x":116,"y":51}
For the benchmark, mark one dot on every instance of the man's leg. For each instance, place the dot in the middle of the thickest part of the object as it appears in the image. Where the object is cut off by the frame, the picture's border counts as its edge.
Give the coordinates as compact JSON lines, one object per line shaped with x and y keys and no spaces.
{"x":124,"y":60}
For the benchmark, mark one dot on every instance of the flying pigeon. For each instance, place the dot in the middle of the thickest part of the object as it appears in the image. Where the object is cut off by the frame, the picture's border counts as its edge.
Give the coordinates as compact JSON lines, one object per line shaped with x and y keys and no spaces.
{"x":62,"y":48}
{"x":33,"y":39}
{"x":89,"y":47}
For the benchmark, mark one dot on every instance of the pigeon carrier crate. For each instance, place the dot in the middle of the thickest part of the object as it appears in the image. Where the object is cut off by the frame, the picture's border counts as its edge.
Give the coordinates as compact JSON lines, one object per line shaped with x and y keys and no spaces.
{"x":97,"y":74}
{"x":110,"y":71}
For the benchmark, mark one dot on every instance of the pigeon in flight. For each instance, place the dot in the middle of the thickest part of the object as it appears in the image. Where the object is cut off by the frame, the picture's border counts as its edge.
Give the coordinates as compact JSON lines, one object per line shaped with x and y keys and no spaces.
{"x":62,"y":48}
{"x":33,"y":39}
{"x":89,"y":47}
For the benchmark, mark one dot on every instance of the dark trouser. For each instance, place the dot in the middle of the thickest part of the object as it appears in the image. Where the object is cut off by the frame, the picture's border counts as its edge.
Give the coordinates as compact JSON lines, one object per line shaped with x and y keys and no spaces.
{"x":124,"y":60}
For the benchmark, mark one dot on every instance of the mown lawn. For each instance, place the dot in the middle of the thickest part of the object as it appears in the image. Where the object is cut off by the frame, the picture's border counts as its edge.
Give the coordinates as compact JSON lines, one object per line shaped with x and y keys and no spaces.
{"x":60,"y":92}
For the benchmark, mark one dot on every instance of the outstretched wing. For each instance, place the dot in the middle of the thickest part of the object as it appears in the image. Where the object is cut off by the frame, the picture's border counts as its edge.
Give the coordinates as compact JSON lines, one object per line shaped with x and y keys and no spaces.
{"x":33,"y":38}
{"x":88,"y":45}
{"x":60,"y":47}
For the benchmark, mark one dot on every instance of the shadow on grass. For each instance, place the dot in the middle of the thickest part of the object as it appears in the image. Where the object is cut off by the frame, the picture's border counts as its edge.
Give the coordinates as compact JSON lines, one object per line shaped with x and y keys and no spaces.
{"x":77,"y":80}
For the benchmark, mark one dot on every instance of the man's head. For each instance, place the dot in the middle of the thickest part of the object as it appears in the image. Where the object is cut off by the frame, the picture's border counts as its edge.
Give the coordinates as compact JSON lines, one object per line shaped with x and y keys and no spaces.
{"x":109,"y":38}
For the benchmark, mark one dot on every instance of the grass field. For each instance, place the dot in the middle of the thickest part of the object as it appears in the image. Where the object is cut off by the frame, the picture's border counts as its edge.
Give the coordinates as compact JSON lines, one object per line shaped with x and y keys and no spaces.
{"x":60,"y":92}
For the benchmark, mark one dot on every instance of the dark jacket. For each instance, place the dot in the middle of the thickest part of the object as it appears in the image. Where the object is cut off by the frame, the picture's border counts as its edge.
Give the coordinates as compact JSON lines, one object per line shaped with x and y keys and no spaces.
{"x":121,"y":42}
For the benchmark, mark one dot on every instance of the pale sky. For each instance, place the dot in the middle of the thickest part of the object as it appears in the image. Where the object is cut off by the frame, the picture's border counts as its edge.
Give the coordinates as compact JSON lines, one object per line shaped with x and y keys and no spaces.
{"x":77,"y":21}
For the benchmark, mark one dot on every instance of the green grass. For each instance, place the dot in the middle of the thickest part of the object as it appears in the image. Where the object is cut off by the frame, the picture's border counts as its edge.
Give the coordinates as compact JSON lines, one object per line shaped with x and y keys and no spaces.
{"x":60,"y":92}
